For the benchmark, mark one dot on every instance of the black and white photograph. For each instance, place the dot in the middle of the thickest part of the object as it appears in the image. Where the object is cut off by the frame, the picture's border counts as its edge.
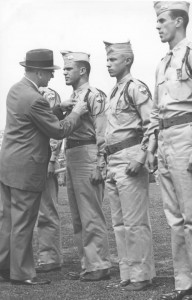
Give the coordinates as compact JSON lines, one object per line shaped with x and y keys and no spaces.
{"x":95,"y":150}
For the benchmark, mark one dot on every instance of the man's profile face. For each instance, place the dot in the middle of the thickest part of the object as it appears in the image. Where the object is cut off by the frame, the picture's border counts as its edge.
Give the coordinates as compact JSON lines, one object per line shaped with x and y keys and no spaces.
{"x":166,"y":27}
{"x":71,"y":73}
{"x":116,"y":64}
{"x":45,"y":76}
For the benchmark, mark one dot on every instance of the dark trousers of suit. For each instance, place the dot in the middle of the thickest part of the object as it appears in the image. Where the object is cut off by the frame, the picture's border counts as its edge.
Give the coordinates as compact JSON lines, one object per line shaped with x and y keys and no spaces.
{"x":18,"y":214}
{"x":49,"y":227}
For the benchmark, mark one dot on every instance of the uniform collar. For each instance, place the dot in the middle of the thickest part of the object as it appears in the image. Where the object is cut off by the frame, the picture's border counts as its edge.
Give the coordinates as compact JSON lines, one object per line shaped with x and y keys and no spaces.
{"x":180,"y":45}
{"x":126,"y":78}
{"x":82,"y":87}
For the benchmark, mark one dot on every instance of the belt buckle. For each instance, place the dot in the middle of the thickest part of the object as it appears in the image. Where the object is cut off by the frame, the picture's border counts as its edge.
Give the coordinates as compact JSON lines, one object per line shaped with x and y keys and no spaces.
{"x":167,"y":123}
{"x":161,"y":124}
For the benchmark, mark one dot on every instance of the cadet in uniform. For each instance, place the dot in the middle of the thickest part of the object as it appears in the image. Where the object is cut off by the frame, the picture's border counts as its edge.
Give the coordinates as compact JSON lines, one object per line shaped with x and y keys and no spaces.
{"x":128,"y":108}
{"x":48,"y":226}
{"x":172,"y":116}
{"x":84,"y":163}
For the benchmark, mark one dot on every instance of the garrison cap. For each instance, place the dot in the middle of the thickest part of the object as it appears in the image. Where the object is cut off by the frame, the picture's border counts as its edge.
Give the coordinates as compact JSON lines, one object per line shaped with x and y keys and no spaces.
{"x":162,"y":6}
{"x":119,"y":48}
{"x":69,"y":57}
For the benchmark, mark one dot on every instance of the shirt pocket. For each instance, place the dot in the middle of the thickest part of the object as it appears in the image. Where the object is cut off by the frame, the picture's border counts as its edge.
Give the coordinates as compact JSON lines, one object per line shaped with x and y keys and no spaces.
{"x":125,"y":111}
{"x":122,"y":105}
{"x":161,"y":86}
{"x":180,"y":87}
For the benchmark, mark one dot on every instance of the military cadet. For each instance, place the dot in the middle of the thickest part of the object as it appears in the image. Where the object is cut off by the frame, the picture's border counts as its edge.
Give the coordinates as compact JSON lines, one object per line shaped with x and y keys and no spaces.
{"x":127,"y":108}
{"x":172,"y":116}
{"x":84,"y":163}
{"x":48,"y":225}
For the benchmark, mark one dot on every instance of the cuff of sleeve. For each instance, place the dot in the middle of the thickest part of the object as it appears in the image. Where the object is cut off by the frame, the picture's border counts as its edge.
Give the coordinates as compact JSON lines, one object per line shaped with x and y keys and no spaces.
{"x":53,"y":158}
{"x":100,"y":161}
{"x":141,"y":157}
{"x":190,"y":158}
{"x":152,"y":147}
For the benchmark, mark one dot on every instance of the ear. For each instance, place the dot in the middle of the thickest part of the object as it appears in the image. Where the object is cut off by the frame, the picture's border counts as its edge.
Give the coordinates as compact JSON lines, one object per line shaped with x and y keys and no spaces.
{"x":82,"y":71}
{"x":39,"y":74}
{"x":128,"y":61}
{"x":179,"y":22}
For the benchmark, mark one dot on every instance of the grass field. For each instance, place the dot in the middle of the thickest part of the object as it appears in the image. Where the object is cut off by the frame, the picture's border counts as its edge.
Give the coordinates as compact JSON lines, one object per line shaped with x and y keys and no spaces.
{"x":63,"y":288}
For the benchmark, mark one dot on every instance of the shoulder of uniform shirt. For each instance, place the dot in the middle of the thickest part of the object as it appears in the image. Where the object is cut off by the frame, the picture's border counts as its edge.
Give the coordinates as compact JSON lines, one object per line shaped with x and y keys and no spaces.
{"x":141,"y":86}
{"x":138,"y":82}
{"x":189,"y":45}
{"x":96,"y":91}
{"x":52,"y":90}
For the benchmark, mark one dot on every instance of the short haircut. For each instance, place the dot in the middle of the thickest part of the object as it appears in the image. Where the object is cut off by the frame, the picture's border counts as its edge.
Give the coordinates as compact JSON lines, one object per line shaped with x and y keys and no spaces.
{"x":175,"y":13}
{"x":131,"y":57}
{"x":84,"y":64}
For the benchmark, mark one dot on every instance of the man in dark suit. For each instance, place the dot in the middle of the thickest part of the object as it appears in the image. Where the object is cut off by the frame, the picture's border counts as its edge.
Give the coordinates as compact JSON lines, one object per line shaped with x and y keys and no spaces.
{"x":24,"y":159}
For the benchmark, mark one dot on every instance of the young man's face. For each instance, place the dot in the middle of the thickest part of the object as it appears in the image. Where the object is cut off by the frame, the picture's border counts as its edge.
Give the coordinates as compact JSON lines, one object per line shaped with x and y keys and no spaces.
{"x":71,"y":73}
{"x":116,"y":64}
{"x":166,"y":27}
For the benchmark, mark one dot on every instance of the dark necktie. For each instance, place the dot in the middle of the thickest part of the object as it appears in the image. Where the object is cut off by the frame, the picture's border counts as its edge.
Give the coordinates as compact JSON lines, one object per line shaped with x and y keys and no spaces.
{"x":114,"y":92}
{"x":169,"y":56}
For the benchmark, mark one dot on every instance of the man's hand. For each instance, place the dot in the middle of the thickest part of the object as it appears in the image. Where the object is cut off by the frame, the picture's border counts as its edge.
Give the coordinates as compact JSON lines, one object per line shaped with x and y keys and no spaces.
{"x":67,"y":104}
{"x":96,"y":176}
{"x":80,"y":107}
{"x":51,"y":168}
{"x":151,"y":162}
{"x":133,"y":168}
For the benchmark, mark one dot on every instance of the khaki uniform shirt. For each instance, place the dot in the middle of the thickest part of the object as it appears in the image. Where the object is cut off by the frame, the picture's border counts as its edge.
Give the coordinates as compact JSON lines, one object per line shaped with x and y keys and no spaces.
{"x":173,"y":88}
{"x":125,"y":120}
{"x":93,"y":123}
{"x":54,"y":99}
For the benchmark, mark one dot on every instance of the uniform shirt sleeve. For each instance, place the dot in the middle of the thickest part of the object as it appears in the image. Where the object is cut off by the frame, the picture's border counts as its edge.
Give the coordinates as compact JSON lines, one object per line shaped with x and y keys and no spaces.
{"x":154,"y":120}
{"x":143,"y":104}
{"x":41,"y":115}
{"x":97,"y":107}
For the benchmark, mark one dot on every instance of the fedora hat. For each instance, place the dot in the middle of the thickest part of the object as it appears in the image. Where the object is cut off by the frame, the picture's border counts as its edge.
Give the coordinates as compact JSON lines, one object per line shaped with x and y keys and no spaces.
{"x":39,"y":59}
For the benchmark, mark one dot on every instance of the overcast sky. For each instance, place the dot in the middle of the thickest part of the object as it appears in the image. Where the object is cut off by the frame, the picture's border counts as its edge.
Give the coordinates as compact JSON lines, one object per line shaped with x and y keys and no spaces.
{"x":77,"y":26}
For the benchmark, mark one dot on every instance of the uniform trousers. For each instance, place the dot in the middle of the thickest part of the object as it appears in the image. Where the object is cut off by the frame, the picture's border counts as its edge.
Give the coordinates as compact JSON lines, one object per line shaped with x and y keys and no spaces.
{"x":130,"y":217}
{"x":18,"y":214}
{"x":85,"y":200}
{"x":49,"y":227}
{"x":174,"y":150}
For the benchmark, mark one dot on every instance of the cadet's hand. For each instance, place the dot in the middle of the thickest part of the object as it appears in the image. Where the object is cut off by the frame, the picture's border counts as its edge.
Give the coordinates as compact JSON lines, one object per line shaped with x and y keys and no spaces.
{"x":96,"y":176}
{"x":51,"y":169}
{"x":133,"y":168}
{"x":80,"y":107}
{"x":104,"y":172}
{"x":67,"y":104}
{"x":189,"y":168}
{"x":61,"y":177}
{"x":151,"y":162}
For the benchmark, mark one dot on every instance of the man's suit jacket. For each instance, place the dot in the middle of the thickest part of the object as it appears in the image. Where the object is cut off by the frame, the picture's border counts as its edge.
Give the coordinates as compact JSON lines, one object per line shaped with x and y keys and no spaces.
{"x":30,"y":124}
